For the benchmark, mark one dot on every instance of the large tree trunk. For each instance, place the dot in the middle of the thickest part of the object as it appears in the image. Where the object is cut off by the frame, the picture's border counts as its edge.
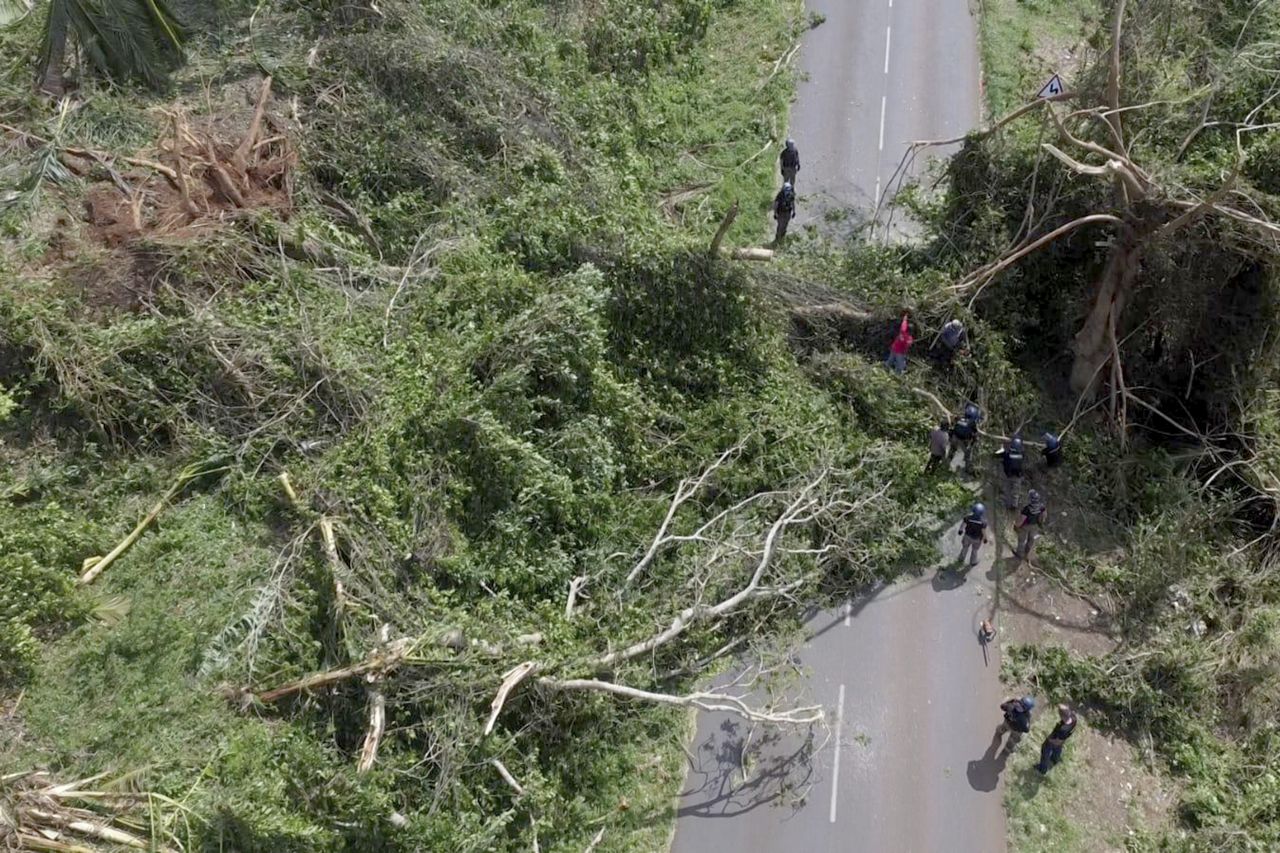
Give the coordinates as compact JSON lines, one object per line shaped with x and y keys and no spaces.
{"x":55,"y":54}
{"x":1093,"y":345}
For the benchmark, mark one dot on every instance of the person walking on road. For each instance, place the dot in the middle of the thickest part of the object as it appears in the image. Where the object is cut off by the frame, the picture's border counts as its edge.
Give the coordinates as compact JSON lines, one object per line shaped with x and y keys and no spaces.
{"x":1017,"y":720}
{"x":939,"y":442}
{"x":1051,"y":749}
{"x":1011,"y":459}
{"x":964,"y":435}
{"x":784,"y":210}
{"x":902,"y":342}
{"x":1028,"y":525}
{"x":973,"y":533}
{"x":790,"y":161}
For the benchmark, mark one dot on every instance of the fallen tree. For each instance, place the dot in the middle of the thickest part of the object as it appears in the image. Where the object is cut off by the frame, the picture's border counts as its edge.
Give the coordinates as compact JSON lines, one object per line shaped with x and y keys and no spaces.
{"x":758,"y":552}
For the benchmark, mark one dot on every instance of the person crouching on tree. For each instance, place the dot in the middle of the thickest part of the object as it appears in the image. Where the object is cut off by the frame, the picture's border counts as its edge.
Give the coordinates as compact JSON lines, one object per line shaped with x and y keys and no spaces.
{"x":954,"y":340}
{"x":897,"y":360}
{"x":939,"y":443}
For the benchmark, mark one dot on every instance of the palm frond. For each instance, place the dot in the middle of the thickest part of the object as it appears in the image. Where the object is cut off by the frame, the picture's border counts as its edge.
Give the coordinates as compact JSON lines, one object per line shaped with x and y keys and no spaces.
{"x":22,"y":180}
{"x":126,"y":39}
{"x":12,"y":11}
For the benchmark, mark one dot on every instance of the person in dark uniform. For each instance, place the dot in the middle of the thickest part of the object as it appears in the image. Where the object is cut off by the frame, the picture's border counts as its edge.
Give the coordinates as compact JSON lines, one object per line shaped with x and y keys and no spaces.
{"x":973,"y":530}
{"x":1051,"y":750}
{"x":964,"y":435}
{"x":784,"y":209}
{"x":1011,"y":459}
{"x":1017,"y":720}
{"x":1052,"y":451}
{"x":790,"y":160}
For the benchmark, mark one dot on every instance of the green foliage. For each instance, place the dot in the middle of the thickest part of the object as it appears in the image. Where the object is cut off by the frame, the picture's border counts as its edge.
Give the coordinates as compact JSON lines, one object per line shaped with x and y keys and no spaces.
{"x":631,"y":38}
{"x":686,"y":321}
{"x":41,"y":545}
{"x":1022,"y":42}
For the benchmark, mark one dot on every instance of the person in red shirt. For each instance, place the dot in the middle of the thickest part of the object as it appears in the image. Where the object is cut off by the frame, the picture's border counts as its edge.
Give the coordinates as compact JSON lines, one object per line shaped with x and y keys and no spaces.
{"x":897,"y":359}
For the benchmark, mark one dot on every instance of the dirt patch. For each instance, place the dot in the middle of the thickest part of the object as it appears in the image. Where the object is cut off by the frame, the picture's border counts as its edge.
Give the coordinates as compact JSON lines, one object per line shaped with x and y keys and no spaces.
{"x":1121,"y":791}
{"x":1098,"y":799}
{"x":1036,"y":610}
{"x":205,"y":173}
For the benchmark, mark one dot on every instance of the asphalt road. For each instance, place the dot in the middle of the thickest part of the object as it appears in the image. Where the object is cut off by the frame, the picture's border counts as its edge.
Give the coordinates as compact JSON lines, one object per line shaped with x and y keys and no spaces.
{"x":876,"y":76}
{"x":904,"y":763}
{"x":912,"y":701}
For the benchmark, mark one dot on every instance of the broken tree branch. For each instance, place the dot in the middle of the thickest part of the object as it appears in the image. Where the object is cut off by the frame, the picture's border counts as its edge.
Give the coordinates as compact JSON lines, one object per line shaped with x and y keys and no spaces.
{"x":802,"y":509}
{"x":725,"y":225}
{"x":94,"y":566}
{"x":686,"y":490}
{"x":991,"y":270}
{"x":1113,"y":78}
{"x":377,"y":710}
{"x":509,"y":682}
{"x":713,"y":702}
{"x":241,"y":157}
{"x":507,"y":777}
{"x":382,"y":661}
{"x":575,"y":586}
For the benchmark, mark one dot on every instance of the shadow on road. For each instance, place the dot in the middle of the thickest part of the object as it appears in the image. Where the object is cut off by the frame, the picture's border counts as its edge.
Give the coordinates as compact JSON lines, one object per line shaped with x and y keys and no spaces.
{"x":948,"y":578}
{"x":776,"y":772}
{"x":984,"y":774}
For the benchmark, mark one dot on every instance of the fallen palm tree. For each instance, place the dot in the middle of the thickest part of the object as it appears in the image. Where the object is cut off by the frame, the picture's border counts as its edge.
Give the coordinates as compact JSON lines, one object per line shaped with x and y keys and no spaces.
{"x":37,"y":814}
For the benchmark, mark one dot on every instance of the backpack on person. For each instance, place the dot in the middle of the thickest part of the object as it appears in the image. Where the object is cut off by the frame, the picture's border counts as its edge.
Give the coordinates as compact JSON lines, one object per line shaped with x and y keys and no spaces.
{"x":1018,"y":715}
{"x":964,"y":429}
{"x":1013,"y":463}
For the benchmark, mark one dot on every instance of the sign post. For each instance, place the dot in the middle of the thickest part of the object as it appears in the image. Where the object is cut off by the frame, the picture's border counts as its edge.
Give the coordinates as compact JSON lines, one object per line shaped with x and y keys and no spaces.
{"x":1052,"y":88}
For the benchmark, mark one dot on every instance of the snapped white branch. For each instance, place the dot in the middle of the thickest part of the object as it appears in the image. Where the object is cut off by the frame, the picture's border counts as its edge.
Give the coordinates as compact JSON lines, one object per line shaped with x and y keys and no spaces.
{"x":713,"y":702}
{"x":800,"y":510}
{"x":684,"y":492}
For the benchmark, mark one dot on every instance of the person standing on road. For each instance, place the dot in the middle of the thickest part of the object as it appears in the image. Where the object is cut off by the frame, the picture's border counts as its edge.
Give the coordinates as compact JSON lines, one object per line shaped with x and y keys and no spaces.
{"x":973,"y":533}
{"x":1051,"y":750}
{"x":784,"y":209}
{"x":939,"y":442}
{"x":1028,"y":525}
{"x":790,"y":160}
{"x":897,"y":359}
{"x":964,"y":435}
{"x":1011,"y":459}
{"x":1017,"y":719}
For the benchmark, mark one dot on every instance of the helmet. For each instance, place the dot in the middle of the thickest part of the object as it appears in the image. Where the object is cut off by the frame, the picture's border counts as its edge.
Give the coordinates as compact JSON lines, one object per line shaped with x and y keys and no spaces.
{"x":1034,"y":498}
{"x":1028,"y":702}
{"x":786,"y":185}
{"x":1016,"y":444}
{"x":1051,"y":441}
{"x":979,"y":510}
{"x":791,"y":143}
{"x":972,"y":412}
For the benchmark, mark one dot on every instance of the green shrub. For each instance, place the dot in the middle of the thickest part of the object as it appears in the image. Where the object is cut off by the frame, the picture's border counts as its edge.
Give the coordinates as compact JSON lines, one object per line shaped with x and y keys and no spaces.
{"x":41,"y":547}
